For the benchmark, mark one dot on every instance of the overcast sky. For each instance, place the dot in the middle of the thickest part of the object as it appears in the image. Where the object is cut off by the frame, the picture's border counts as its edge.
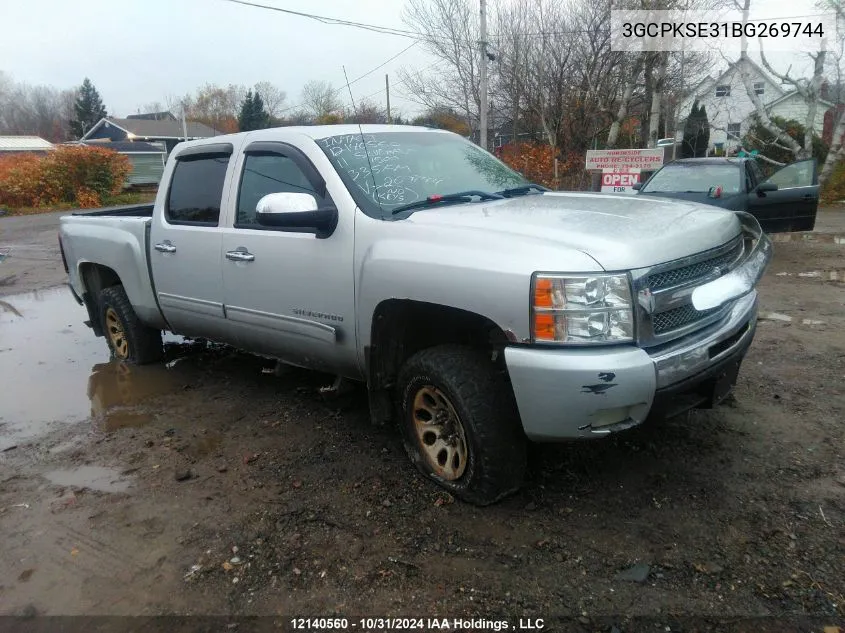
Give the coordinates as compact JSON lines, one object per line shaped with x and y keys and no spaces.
{"x":142,"y":51}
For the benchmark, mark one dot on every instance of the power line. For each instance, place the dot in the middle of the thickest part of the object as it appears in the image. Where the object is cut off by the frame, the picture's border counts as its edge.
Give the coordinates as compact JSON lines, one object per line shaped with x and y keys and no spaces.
{"x":359,"y":78}
{"x":385,"y":30}
{"x":330,"y":20}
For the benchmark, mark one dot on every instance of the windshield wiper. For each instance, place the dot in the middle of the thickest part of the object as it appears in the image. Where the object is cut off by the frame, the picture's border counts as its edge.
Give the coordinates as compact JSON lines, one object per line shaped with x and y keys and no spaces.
{"x":435,"y":199}
{"x":521,"y":191}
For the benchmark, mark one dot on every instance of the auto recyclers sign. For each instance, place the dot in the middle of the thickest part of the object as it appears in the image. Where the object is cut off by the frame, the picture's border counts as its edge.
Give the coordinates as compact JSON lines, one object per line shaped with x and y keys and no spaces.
{"x":621,"y":167}
{"x":624,"y":159}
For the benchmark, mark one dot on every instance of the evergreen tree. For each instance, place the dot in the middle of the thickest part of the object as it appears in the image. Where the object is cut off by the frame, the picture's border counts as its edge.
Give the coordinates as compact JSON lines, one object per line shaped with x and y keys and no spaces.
{"x":245,"y":115}
{"x":688,"y":144}
{"x":88,"y":109}
{"x":260,"y":117}
{"x":253,"y":116}
{"x":702,"y":136}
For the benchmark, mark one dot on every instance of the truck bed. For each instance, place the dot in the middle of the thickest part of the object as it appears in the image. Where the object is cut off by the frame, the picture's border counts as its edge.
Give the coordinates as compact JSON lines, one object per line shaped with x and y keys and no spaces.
{"x":126,"y":210}
{"x":115,"y":239}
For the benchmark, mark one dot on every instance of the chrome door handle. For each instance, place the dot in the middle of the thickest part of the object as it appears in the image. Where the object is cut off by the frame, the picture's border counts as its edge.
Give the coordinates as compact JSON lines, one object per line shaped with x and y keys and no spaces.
{"x":165,"y":247}
{"x":240,"y":255}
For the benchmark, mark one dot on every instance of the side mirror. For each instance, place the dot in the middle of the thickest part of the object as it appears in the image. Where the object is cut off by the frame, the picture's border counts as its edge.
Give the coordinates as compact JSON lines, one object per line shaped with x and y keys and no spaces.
{"x":296,"y":212}
{"x":763,"y":187}
{"x":637,"y":186}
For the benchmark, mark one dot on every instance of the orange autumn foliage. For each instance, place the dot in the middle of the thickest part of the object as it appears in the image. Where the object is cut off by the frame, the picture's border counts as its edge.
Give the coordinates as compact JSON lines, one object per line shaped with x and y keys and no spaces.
{"x":536,"y":161}
{"x":77,"y":175}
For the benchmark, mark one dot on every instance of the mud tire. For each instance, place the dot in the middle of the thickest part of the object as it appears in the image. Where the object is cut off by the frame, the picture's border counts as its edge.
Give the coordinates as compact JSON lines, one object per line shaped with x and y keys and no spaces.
{"x":483,"y":400}
{"x":142,"y":343}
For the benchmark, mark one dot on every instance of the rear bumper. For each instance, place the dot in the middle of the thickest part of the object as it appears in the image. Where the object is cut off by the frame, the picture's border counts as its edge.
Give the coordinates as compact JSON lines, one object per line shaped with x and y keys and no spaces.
{"x":585,"y":393}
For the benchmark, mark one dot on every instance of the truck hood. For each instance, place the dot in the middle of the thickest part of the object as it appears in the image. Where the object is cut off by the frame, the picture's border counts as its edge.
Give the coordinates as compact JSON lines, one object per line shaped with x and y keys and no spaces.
{"x":619,"y":231}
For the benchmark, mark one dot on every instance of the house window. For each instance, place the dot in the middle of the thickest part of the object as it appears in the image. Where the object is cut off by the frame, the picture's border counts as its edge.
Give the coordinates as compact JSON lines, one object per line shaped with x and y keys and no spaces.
{"x":734,"y":130}
{"x":723,"y":91}
{"x":759,"y":88}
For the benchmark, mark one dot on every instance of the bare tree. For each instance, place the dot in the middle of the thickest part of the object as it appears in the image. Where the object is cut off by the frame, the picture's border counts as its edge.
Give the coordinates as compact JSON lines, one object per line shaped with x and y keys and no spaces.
{"x":632,"y":77}
{"x":320,"y":99}
{"x":215,"y":105}
{"x":39,"y":110}
{"x":837,"y":148}
{"x":366,"y":112}
{"x":449,"y":29}
{"x":809,"y":89}
{"x":273,"y":97}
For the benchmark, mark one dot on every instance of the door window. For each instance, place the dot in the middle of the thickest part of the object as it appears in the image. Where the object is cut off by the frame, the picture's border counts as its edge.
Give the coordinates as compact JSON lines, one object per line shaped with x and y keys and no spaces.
{"x":264,"y":174}
{"x":196,"y":190}
{"x":800,"y":174}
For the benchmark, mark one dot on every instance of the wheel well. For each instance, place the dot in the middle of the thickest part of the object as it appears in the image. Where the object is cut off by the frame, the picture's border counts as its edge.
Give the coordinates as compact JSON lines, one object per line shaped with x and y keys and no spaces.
{"x":401,"y":328}
{"x":94,"y":278}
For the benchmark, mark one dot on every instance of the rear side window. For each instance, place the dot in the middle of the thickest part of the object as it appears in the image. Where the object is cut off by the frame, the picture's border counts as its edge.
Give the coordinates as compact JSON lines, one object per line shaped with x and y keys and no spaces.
{"x":196,"y":190}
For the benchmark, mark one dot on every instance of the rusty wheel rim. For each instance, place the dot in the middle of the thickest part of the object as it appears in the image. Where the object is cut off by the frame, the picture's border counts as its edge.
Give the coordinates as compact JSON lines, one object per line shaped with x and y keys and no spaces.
{"x":116,"y":334}
{"x":440,"y":433}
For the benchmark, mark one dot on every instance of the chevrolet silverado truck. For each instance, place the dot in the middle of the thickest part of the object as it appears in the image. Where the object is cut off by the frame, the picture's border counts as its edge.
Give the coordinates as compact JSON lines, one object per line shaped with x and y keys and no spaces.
{"x":481,"y":310}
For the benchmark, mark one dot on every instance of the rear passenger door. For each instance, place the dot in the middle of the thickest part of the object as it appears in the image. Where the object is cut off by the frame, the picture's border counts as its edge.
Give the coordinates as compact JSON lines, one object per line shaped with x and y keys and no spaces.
{"x":185,"y":243}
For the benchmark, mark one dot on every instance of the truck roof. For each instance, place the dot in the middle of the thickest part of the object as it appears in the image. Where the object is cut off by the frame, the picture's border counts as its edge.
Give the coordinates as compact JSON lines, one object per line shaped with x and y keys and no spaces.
{"x":322,"y":131}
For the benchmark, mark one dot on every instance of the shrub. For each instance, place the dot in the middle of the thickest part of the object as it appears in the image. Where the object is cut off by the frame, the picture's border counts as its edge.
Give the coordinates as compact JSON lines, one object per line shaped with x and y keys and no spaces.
{"x":536,"y":161}
{"x":834,"y":189}
{"x":761,"y":139}
{"x":76,"y":175}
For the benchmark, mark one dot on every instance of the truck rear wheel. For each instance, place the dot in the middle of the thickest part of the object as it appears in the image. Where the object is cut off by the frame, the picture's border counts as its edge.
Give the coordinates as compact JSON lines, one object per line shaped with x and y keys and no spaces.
{"x":128,"y":339}
{"x":459,"y":423}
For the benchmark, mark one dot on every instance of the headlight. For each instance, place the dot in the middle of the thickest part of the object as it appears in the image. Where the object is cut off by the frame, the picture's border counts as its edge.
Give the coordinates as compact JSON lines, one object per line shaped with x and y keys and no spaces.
{"x":581,"y":309}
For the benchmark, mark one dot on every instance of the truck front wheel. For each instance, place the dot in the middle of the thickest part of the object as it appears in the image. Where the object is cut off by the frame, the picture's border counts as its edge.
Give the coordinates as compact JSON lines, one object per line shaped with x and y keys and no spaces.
{"x":460,"y":425}
{"x":128,"y":339}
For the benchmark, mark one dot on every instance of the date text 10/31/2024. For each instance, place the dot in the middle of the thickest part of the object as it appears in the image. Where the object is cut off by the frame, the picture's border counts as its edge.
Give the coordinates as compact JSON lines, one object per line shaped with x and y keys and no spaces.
{"x":411,"y":624}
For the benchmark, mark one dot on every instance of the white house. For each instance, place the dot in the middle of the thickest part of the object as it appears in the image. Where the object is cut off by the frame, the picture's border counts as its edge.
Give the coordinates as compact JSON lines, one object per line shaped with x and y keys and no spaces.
{"x":730,"y":110}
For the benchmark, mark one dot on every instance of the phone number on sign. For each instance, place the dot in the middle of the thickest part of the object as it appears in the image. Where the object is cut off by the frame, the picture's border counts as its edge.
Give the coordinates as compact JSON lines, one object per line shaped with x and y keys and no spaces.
{"x":721,"y":29}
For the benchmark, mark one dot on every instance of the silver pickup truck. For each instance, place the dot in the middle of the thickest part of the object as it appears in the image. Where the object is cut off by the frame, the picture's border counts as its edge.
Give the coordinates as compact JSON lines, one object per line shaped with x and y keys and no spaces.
{"x":479,"y":309}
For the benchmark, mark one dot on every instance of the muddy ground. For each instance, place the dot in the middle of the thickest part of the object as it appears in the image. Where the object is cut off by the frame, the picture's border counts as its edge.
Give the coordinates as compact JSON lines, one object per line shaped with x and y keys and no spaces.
{"x":209,"y":485}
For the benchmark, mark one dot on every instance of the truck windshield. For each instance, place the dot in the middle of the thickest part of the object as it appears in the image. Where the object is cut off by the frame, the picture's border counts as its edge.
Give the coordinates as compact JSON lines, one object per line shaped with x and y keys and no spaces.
{"x":694,"y":178}
{"x":399,"y":168}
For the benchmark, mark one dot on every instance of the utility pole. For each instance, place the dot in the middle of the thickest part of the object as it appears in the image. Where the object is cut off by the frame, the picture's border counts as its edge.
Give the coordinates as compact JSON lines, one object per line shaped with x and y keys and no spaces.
{"x":184,"y":123}
{"x":387,"y":89}
{"x":483,"y":72}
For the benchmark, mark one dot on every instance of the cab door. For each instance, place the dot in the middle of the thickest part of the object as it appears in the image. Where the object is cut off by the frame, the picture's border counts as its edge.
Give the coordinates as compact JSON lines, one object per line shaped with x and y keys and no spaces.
{"x":788,"y":200}
{"x":185,"y":243}
{"x":288,"y":293}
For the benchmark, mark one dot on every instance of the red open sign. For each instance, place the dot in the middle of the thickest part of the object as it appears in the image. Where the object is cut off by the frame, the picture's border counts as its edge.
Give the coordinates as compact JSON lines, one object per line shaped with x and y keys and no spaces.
{"x":619,"y":180}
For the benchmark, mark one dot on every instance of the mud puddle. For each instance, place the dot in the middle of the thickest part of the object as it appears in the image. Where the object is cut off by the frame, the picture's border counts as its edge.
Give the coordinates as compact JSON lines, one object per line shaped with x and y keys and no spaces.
{"x":96,"y":478}
{"x":55,"y":371}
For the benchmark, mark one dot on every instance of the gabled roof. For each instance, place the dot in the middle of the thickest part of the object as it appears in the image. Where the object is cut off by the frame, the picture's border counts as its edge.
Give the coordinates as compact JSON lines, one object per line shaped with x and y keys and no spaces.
{"x":127,"y":147}
{"x":144,"y":128}
{"x":792,"y":93}
{"x":24,"y":144}
{"x":712,"y":82}
{"x":153,"y":116}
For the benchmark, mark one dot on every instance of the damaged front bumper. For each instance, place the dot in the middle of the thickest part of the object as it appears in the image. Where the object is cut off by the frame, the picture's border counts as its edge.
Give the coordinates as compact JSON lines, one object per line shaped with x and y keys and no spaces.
{"x":581,"y":393}
{"x":570,"y":393}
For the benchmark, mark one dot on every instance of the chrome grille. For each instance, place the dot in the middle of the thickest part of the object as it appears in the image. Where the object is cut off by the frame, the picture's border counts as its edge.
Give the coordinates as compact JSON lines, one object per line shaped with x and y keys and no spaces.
{"x":670,"y":278}
{"x":664,"y":293}
{"x":679,"y":317}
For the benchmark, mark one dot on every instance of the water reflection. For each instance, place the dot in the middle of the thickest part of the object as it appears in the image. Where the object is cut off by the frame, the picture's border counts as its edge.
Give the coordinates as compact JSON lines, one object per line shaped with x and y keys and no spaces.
{"x":56,"y":372}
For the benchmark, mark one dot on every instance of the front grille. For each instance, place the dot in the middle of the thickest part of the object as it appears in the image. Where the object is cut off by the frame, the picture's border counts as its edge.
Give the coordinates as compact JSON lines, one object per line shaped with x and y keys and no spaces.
{"x":679,"y":317}
{"x":670,"y":278}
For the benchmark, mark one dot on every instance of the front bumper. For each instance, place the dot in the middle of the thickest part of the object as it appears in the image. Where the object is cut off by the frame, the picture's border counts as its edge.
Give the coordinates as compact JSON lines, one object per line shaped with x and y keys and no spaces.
{"x":582,"y":393}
